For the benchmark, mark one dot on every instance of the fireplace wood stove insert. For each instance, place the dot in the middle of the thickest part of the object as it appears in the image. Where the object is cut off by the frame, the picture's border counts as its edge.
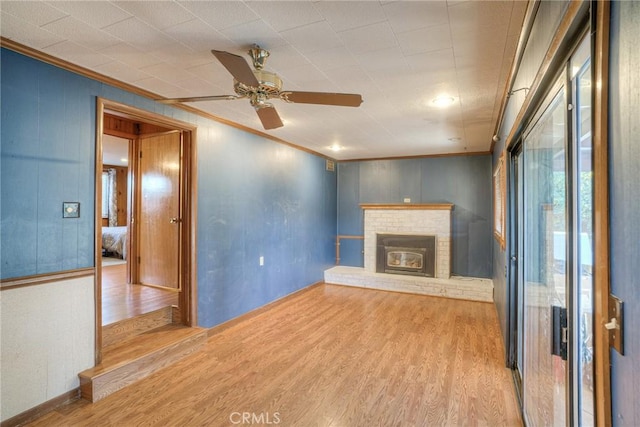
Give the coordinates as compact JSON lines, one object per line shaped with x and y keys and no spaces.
{"x":406,"y":254}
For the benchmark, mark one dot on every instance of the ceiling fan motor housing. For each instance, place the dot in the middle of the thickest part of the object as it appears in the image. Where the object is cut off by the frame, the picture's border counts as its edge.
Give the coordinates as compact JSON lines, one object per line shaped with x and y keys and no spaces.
{"x":269,"y":85}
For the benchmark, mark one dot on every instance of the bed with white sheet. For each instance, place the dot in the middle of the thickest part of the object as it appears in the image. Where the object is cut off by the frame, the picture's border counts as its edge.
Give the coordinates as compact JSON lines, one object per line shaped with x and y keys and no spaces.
{"x":114,"y":240}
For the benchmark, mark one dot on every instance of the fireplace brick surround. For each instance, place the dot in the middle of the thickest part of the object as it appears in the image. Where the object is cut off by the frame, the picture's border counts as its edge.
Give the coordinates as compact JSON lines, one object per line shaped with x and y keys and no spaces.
{"x":427,"y":220}
{"x":411,"y":219}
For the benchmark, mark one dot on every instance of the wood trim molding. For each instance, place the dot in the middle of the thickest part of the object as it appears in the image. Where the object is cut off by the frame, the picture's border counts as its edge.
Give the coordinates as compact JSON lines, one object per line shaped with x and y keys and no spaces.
{"x":97,"y":286}
{"x":602,"y":286}
{"x":423,"y":156}
{"x":422,"y":207}
{"x":41,"y":279}
{"x":258,"y":311}
{"x":42,"y":409}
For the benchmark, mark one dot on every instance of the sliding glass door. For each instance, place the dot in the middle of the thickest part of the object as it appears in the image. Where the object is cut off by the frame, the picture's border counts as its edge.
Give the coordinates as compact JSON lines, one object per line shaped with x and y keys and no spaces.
{"x":544,"y":235}
{"x":552,"y":245}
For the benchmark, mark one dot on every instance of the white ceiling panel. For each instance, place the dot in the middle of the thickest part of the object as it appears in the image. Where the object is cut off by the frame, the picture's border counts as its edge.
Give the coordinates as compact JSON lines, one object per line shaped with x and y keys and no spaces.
{"x":79,"y":32}
{"x":24,"y":32}
{"x":158,"y":14}
{"x":98,"y":14}
{"x":424,"y":40}
{"x":139,"y":34}
{"x":344,"y":16}
{"x":398,"y":55}
{"x":121,"y":71}
{"x":299,"y":13}
{"x":409,"y":16}
{"x":371,"y":38}
{"x":312,"y":37}
{"x":215,"y":73}
{"x":329,"y":59}
{"x":221,"y":14}
{"x":129,"y":55}
{"x":156,"y":85}
{"x":439,"y":60}
{"x":77,"y":54}
{"x":254,"y":32}
{"x":287,"y":57}
{"x":167,"y":72}
{"x":199,"y":36}
{"x":35,"y":13}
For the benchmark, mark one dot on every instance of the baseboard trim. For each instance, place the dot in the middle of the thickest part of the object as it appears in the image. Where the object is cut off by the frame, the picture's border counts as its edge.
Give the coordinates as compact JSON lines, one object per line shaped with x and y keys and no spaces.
{"x":253,"y":313}
{"x":42,"y":409}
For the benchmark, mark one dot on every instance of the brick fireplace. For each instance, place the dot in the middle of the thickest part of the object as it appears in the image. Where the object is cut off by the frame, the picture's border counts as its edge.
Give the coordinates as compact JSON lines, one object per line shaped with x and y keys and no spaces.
{"x":432,"y":221}
{"x":417,"y":220}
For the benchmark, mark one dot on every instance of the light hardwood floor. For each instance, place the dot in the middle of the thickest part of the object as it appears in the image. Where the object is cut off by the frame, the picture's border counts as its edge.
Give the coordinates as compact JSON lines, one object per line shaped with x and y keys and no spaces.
{"x":329,"y":356}
{"x":121,"y":301}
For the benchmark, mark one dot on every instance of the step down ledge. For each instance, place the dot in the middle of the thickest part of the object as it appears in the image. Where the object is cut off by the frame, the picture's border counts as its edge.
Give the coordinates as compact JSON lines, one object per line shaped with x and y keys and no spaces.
{"x":112,"y":375}
{"x":116,"y":332}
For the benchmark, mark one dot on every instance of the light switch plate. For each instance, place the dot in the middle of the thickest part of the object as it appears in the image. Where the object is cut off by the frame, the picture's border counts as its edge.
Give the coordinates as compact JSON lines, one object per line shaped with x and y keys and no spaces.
{"x":616,"y":334}
{"x":70,"y":210}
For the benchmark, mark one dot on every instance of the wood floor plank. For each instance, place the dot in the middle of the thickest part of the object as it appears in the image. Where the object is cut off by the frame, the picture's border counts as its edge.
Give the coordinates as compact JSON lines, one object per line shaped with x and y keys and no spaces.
{"x":331,"y":356}
{"x":122,"y":301}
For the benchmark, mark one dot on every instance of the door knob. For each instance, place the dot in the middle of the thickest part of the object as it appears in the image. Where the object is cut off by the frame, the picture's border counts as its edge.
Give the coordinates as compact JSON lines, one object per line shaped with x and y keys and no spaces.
{"x":174,"y":220}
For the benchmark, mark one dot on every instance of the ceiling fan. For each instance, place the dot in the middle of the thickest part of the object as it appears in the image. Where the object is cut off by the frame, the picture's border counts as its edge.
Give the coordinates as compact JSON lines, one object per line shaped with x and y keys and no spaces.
{"x":259,"y":86}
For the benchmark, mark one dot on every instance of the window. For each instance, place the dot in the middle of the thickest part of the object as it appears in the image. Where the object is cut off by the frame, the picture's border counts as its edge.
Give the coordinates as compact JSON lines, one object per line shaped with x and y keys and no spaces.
{"x":105,"y":194}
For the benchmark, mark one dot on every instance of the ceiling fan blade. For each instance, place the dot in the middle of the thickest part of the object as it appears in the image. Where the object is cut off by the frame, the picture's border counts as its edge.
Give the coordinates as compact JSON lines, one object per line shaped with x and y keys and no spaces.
{"x":323,"y":98}
{"x":238,"y":67}
{"x":198,"y":98}
{"x":269,"y":117}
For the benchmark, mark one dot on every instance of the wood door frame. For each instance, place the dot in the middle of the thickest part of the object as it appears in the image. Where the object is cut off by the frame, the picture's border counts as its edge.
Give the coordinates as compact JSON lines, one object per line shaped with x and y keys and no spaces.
{"x":188,"y":271}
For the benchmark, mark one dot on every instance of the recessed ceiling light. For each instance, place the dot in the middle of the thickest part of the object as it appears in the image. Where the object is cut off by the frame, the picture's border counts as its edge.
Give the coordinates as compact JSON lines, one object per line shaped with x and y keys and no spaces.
{"x":443,"y":101}
{"x":124,"y":160}
{"x":335,"y":147}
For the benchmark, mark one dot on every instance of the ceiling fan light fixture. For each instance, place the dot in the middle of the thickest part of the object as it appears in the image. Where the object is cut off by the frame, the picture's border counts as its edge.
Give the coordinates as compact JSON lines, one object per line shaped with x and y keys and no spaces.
{"x":443,"y":101}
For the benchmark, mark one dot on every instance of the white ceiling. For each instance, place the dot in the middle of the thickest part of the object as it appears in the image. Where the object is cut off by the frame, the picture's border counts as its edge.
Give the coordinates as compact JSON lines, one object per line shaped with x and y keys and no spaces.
{"x":399,"y":55}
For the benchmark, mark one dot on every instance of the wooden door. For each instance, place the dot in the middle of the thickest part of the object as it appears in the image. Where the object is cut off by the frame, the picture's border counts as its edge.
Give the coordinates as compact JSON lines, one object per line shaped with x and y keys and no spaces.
{"x":159,"y":217}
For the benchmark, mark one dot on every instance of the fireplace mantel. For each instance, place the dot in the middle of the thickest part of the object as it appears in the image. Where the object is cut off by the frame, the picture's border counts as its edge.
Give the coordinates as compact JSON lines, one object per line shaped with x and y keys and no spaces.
{"x":408,"y":206}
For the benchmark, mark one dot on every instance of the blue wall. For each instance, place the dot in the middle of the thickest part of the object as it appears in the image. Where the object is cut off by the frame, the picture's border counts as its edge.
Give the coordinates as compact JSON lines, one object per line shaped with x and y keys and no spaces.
{"x":464,"y":181}
{"x":255,"y":197}
{"x":47,"y":157}
{"x":624,"y":128}
{"x":258,"y":199}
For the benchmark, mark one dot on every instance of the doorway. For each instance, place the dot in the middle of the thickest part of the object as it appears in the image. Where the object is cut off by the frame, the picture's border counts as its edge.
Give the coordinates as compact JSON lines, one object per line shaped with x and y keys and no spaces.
{"x":126,"y":291}
{"x":145,"y":251}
